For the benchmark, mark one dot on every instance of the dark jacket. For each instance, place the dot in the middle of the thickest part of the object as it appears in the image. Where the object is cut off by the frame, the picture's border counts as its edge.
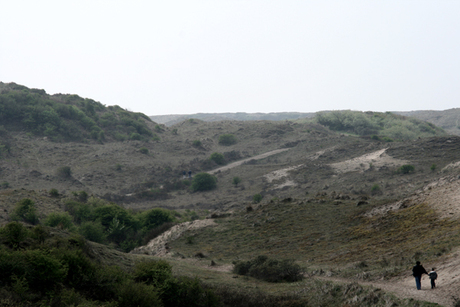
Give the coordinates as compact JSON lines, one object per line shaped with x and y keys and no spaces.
{"x":418,"y":270}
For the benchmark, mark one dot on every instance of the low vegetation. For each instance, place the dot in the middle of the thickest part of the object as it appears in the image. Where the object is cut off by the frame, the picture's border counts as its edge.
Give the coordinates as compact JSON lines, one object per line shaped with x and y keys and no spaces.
{"x":227,"y":139}
{"x":270,"y":270}
{"x":68,"y":117}
{"x":381,"y":126}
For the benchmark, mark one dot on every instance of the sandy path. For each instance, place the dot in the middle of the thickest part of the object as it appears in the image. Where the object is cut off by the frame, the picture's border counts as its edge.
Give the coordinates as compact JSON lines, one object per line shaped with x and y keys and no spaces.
{"x":238,"y":163}
{"x":405,"y":288}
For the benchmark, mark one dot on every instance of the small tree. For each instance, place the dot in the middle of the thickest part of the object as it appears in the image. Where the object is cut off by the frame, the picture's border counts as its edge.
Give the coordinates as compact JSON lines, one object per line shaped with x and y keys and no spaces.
{"x":236,"y":181}
{"x":144,"y":150}
{"x":433,"y":167}
{"x":203,"y":182}
{"x":227,"y":139}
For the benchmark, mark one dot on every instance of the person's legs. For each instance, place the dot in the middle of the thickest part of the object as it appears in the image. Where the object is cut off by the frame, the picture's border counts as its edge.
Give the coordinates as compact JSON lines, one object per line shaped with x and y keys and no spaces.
{"x":433,"y":284}
{"x":418,"y":283}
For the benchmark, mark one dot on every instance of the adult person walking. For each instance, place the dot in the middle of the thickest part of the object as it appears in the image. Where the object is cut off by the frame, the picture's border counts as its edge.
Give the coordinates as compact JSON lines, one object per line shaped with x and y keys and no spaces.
{"x":417,"y":271}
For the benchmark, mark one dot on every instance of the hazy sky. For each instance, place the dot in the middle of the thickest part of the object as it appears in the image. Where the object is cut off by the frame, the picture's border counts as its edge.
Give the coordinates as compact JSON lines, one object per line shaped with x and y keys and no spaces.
{"x":183,"y":57}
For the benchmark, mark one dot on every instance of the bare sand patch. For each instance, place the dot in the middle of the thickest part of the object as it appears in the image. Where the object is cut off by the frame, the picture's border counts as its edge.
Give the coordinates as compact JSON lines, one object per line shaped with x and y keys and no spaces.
{"x":238,"y":163}
{"x":375,"y":159}
{"x":159,"y":245}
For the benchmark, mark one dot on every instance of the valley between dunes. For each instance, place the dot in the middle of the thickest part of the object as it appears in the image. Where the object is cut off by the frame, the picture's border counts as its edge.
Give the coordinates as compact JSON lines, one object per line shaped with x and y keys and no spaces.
{"x":442,"y":195}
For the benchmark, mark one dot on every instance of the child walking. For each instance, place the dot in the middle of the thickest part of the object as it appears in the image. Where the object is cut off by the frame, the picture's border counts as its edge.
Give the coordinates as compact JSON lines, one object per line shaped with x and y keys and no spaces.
{"x":433,"y":275}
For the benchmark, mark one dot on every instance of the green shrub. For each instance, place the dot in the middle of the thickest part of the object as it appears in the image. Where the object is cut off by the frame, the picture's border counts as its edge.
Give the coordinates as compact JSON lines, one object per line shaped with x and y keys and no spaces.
{"x":375,"y":189}
{"x":43,"y":272}
{"x":203,"y":182}
{"x":13,"y":234}
{"x":152,"y":272}
{"x":118,"y":167}
{"x":196,"y":143}
{"x":25,"y":211}
{"x":82,"y":196}
{"x":257,"y":198}
{"x":433,"y":167}
{"x":64,"y":172}
{"x":144,"y":151}
{"x":406,"y":169}
{"x":187,"y":292}
{"x":135,"y":136}
{"x":80,"y":269}
{"x":131,"y":294}
{"x":227,"y":139}
{"x":80,"y":211}
{"x":270,"y":270}
{"x":93,"y":231}
{"x":61,"y":219}
{"x":155,"y":217}
{"x":54,"y":193}
{"x":236,"y":181}
{"x":218,"y":158}
{"x":5,"y":184}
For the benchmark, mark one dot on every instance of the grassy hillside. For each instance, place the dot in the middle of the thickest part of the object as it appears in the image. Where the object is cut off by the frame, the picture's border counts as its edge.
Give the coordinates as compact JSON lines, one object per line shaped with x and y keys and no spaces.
{"x":447,"y":119}
{"x":67,"y":117}
{"x":386,"y":126}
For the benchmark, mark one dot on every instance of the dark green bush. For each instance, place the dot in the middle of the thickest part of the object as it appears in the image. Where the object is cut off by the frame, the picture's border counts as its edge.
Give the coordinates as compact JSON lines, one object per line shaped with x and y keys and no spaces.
{"x":43,"y":272}
{"x":64,"y":172}
{"x":236,"y":181}
{"x":227,"y":139}
{"x":81,"y":212}
{"x":131,"y":294}
{"x":93,"y":231}
{"x":269,"y":269}
{"x":152,"y":272}
{"x":12,"y":234}
{"x":154,"y":217}
{"x":61,"y":219}
{"x":196,"y":143}
{"x":25,"y":211}
{"x":5,"y":184}
{"x":406,"y":169}
{"x":218,"y":158}
{"x":82,"y":196}
{"x":54,"y":193}
{"x":144,"y":150}
{"x":257,"y":198}
{"x":375,"y":189}
{"x":135,"y":136}
{"x":203,"y":182}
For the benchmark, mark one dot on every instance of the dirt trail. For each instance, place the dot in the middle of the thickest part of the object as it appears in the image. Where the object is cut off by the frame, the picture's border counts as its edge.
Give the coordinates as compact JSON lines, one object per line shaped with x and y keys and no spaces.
{"x":238,"y":163}
{"x":405,"y":288}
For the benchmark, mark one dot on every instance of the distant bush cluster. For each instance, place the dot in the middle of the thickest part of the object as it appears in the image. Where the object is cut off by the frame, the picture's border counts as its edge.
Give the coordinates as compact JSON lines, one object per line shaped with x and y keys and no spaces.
{"x":99,"y":221}
{"x":227,"y":139}
{"x":270,"y":270}
{"x":68,"y":117}
{"x":381,"y":126}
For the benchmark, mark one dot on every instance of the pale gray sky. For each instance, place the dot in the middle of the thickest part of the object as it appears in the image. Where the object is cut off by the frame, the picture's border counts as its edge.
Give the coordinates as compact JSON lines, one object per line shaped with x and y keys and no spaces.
{"x":182,"y":57}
